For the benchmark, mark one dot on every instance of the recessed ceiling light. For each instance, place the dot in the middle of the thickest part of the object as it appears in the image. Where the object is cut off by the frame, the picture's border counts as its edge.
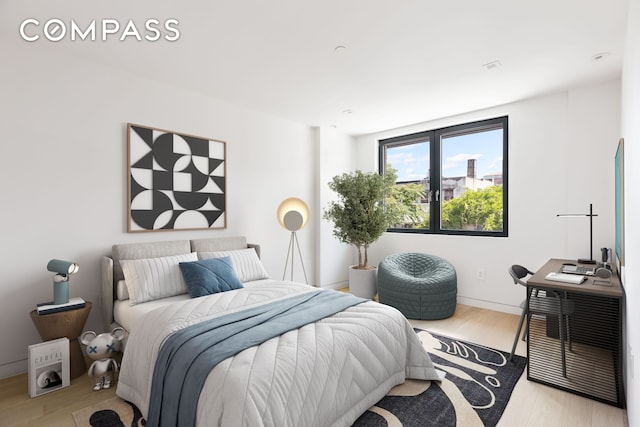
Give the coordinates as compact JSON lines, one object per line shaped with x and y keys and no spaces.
{"x":600,"y":56}
{"x":347,"y":111}
{"x":491,"y":65}
{"x":340,"y":49}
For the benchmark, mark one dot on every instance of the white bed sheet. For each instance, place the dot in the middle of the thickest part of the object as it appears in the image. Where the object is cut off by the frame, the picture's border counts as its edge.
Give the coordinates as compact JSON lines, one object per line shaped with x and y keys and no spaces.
{"x":323,"y":374}
{"x":126,"y":315}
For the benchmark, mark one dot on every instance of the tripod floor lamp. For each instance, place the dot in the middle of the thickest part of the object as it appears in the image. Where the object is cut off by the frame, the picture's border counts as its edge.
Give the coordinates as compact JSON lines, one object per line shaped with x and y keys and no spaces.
{"x":293,"y":215}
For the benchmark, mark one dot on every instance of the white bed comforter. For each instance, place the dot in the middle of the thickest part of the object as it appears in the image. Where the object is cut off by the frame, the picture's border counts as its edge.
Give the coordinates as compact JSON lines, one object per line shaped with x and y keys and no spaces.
{"x":323,"y":374}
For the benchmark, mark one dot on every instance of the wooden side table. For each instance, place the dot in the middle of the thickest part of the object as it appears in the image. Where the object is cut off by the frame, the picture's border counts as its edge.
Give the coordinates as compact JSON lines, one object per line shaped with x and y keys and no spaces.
{"x":65,"y":324}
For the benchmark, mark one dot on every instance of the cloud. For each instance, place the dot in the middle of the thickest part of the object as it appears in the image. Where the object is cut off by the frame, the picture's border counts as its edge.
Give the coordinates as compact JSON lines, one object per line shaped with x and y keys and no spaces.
{"x":459,"y":161}
{"x":495,"y":164}
{"x":409,"y":166}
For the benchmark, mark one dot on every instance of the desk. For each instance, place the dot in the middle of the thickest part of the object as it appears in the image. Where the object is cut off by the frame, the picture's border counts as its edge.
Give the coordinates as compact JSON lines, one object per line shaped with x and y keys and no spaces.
{"x":594,"y":365}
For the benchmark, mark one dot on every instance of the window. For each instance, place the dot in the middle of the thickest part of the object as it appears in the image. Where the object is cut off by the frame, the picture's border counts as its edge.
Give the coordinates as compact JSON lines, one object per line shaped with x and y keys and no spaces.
{"x":451,"y":180}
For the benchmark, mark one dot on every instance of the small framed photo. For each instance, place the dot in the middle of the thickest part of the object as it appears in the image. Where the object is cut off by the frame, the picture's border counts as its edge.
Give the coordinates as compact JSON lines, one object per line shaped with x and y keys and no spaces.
{"x":48,"y":366}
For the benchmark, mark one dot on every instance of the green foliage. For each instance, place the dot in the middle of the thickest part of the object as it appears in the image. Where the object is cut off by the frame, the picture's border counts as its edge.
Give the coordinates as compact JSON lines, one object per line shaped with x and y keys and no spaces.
{"x":426,"y":222}
{"x":359,"y":215}
{"x":474,"y":210}
{"x":404,"y":201}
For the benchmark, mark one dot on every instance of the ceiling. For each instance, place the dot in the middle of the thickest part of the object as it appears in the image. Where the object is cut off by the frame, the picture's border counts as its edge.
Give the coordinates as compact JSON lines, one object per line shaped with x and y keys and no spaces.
{"x":401,"y":61}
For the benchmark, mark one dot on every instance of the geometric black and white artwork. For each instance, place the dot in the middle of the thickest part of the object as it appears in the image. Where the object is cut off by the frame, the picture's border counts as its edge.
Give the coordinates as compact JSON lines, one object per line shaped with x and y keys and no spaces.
{"x":176,"y":181}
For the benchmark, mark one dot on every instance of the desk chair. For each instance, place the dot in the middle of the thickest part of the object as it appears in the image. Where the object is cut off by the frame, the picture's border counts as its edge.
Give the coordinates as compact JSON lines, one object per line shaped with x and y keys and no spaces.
{"x":549,"y":304}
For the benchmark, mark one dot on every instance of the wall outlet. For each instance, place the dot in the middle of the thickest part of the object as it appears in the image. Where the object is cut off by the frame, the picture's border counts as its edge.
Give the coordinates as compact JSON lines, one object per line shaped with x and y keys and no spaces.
{"x":480,"y":274}
{"x":630,"y":361}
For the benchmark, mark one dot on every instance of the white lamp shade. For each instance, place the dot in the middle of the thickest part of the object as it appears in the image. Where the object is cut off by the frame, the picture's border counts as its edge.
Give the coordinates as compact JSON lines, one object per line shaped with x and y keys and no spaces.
{"x":293,"y":214}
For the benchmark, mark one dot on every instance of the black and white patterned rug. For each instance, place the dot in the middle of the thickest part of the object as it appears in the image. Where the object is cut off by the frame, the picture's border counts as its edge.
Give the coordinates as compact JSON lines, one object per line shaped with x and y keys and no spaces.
{"x":475,"y":391}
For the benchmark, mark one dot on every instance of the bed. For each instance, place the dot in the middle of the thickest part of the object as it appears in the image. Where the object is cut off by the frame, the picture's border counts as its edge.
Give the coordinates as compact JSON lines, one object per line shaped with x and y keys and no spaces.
{"x":323,"y":372}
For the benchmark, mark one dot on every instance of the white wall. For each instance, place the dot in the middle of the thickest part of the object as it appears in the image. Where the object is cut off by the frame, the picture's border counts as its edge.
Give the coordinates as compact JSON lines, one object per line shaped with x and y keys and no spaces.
{"x":593,"y":135}
{"x":64,"y":176}
{"x":335,"y":155}
{"x":631,"y":133}
{"x":545,"y":134}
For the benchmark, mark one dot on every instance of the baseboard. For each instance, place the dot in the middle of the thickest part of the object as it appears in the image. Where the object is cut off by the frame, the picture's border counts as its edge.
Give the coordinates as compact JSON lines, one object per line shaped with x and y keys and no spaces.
{"x":490,"y":305}
{"x":12,"y":369}
{"x":474,"y":302}
{"x":338,"y":285}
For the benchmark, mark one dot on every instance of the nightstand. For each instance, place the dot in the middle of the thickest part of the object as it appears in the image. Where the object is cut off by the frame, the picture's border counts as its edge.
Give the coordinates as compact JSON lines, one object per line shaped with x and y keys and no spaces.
{"x":65,"y":324}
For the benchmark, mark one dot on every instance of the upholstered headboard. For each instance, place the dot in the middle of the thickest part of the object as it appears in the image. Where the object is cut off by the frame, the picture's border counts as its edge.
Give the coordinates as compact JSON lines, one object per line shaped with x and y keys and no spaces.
{"x":112,"y":270}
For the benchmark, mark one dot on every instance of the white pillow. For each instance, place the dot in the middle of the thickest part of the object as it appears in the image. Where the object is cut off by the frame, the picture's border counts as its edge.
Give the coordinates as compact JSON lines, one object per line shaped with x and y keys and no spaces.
{"x":154,"y":278}
{"x":245,"y":262}
{"x":121,"y":290}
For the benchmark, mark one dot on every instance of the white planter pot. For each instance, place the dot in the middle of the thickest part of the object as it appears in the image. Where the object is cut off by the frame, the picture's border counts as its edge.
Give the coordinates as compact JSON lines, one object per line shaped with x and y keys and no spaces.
{"x":363,"y":283}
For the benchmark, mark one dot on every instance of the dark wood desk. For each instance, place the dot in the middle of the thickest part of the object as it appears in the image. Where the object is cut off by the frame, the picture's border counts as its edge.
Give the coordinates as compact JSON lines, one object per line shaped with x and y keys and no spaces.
{"x":594,"y":364}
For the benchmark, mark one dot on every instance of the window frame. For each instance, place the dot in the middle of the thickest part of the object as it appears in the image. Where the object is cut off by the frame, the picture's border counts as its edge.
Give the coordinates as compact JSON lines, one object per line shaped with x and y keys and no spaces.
{"x":435,"y":155}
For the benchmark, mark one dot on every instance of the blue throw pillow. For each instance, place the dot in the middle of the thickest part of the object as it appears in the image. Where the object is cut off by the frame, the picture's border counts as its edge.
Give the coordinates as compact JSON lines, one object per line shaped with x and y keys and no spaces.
{"x":209,"y":276}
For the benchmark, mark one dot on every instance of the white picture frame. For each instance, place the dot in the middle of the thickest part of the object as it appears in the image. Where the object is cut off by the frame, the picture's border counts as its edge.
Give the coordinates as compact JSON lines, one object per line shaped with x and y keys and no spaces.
{"x":48,"y":366}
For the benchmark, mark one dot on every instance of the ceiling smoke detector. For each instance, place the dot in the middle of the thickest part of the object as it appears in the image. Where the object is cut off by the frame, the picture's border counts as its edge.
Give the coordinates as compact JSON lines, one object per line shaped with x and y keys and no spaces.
{"x":491,"y":65}
{"x":600,"y":56}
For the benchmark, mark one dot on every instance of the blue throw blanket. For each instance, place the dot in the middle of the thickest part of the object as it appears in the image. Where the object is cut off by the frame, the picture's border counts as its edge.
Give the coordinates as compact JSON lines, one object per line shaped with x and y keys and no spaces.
{"x":188,"y":355}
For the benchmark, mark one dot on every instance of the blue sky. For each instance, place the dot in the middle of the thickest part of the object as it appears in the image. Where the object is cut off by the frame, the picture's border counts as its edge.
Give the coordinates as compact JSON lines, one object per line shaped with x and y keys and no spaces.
{"x":412,"y":161}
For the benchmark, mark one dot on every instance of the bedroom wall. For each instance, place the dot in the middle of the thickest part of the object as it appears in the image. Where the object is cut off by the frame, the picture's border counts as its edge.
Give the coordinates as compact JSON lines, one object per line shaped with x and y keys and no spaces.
{"x":64,"y":172}
{"x":631,"y":133}
{"x":545,"y":136}
{"x":335,"y":155}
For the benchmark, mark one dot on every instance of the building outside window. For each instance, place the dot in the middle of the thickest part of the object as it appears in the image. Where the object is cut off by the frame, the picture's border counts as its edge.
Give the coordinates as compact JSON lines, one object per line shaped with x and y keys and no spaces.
{"x":455,"y":177}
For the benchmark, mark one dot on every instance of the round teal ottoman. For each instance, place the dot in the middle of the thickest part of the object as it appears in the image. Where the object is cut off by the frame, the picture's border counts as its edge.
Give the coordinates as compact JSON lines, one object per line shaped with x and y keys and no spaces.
{"x":421,"y":286}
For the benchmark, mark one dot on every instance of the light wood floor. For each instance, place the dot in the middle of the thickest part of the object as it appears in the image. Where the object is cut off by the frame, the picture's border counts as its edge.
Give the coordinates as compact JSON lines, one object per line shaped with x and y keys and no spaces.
{"x":531,"y":404}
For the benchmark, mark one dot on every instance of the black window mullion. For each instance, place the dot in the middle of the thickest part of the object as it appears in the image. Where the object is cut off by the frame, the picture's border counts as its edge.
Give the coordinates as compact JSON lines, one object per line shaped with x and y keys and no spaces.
{"x":505,"y":176}
{"x":434,"y":180}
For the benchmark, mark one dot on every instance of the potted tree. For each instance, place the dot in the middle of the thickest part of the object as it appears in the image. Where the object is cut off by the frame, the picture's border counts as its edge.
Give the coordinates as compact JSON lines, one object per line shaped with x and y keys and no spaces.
{"x":360,"y":216}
